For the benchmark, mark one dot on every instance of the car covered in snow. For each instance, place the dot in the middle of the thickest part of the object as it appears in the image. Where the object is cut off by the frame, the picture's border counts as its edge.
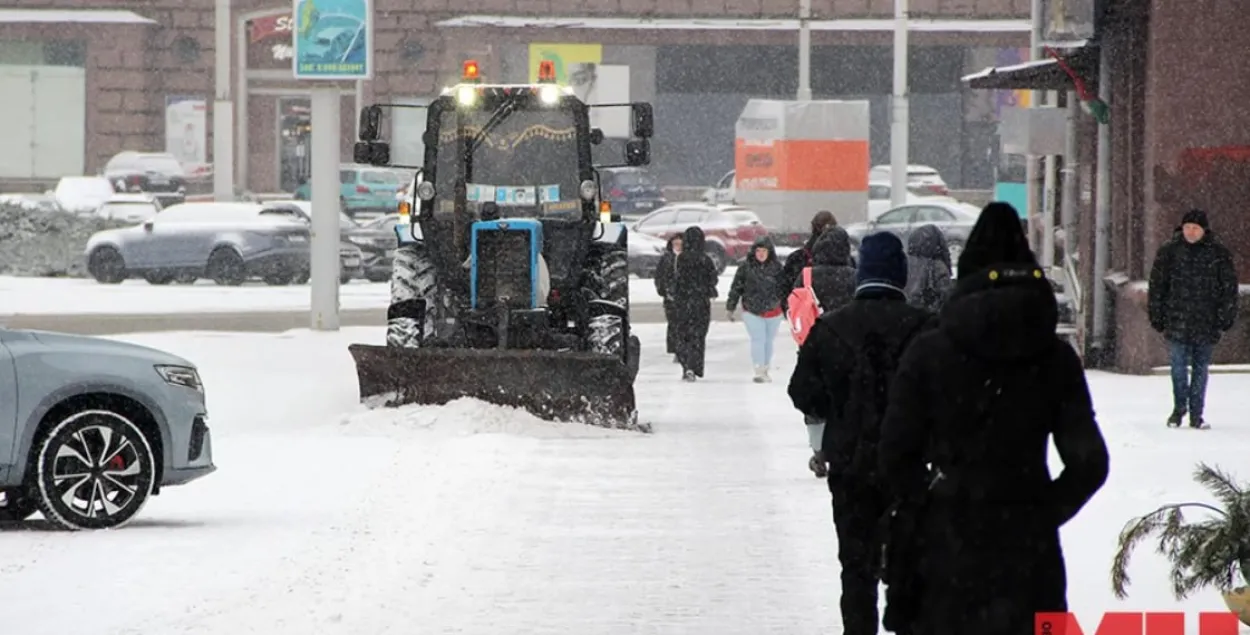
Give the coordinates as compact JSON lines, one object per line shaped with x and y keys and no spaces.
{"x":93,"y":427}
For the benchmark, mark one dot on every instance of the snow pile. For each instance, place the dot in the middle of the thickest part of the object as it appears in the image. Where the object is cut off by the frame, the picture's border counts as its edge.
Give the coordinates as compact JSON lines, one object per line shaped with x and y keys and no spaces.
{"x":35,"y":242}
{"x":464,"y":417}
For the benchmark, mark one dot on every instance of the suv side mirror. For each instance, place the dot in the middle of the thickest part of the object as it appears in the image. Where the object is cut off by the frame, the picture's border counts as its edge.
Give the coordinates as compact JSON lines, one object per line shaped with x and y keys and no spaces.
{"x":372,"y":153}
{"x":370,"y":123}
{"x":147,"y":225}
{"x":637,"y":152}
{"x":644,"y":120}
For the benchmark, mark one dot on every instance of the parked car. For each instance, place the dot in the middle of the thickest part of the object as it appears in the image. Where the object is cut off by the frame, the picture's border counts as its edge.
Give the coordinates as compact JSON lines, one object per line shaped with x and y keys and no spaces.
{"x":724,"y":192}
{"x":94,"y":427}
{"x":226,"y":242}
{"x":361,"y":188}
{"x":45,"y":203}
{"x":955,"y":219}
{"x":730,"y":229}
{"x":82,"y":195}
{"x":130,"y":208}
{"x":879,"y":197}
{"x":156,"y":173}
{"x":919,"y":175}
{"x":375,"y":240}
{"x":631,"y":190}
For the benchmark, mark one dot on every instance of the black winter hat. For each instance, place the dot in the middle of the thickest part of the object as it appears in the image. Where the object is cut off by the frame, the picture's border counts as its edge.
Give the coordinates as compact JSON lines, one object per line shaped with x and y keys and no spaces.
{"x":997,"y":238}
{"x":882,"y":262}
{"x":1197,"y":217}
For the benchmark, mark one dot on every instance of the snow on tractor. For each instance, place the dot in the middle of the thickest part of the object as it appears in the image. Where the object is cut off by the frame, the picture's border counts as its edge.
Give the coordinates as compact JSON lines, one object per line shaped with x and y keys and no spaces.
{"x":514,"y":286}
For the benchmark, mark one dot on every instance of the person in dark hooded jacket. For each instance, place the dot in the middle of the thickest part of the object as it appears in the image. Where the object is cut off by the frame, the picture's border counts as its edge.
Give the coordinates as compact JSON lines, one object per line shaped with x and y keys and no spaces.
{"x":833,"y":272}
{"x":840,"y":383}
{"x":759,"y":286}
{"x":928,"y":268}
{"x":693,"y":289}
{"x":1192,"y":301}
{"x":800,"y":258}
{"x":665,"y":282}
{"x":980,"y":398}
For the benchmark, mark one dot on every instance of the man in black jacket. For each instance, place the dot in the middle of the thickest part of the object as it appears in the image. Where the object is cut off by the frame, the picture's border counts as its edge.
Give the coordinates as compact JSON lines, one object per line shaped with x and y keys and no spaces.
{"x":840,"y":382}
{"x":1192,"y":302}
{"x":800,"y":258}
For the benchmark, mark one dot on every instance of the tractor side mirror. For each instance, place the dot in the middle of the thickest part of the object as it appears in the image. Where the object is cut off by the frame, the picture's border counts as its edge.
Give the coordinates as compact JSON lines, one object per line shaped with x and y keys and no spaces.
{"x":596,"y":136}
{"x":372,"y":153}
{"x":370,"y":123}
{"x":637,"y":152}
{"x":147,"y":225}
{"x":644,"y":120}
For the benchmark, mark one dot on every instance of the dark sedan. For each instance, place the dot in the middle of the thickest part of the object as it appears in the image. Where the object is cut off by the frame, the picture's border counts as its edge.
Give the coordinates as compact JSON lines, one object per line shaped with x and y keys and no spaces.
{"x":631,"y":191}
{"x":155,"y":173}
{"x":375,"y":239}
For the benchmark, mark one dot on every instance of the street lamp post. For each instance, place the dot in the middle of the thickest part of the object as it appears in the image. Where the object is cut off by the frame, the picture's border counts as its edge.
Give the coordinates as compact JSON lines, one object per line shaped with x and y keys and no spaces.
{"x":223,"y":108}
{"x":805,"y":51}
{"x":899,"y":109}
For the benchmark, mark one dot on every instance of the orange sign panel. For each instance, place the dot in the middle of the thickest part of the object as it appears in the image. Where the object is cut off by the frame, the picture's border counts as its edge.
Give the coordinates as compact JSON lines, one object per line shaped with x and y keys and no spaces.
{"x":802,"y":165}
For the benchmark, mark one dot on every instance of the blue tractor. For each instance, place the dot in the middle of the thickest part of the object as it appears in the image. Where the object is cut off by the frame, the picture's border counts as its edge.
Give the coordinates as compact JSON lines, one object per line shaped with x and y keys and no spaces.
{"x":511,"y":282}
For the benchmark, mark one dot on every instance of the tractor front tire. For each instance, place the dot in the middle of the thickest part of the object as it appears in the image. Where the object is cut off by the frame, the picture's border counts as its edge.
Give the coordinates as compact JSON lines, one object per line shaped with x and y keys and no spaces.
{"x":414,"y":298}
{"x":606,"y":281}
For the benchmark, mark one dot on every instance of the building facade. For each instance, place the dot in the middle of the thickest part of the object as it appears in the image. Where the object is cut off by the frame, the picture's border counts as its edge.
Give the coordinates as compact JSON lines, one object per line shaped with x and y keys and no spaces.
{"x":147,"y":72}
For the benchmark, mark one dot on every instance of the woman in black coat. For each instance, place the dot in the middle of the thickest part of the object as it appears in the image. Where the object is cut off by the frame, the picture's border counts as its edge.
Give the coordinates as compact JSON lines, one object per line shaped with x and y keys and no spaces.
{"x":665,"y":282}
{"x":928,"y":268}
{"x":694,"y":287}
{"x":980,"y":398}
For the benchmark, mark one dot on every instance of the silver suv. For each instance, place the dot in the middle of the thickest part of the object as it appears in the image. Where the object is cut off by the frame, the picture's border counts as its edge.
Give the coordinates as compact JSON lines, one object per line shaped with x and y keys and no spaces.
{"x":91,"y":427}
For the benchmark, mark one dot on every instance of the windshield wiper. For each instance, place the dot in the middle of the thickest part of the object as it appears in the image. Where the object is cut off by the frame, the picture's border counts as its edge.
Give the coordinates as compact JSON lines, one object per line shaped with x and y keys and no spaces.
{"x":502,"y":112}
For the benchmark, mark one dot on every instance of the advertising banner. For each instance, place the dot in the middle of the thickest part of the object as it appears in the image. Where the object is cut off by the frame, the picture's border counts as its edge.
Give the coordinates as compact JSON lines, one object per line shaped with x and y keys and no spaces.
{"x":186,"y":133}
{"x":333,"y":39}
{"x":566,"y":58}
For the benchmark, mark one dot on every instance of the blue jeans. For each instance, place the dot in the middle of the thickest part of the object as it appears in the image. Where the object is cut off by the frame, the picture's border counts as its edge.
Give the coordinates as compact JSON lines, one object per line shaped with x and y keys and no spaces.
{"x":762,"y":331}
{"x":1189,"y":376}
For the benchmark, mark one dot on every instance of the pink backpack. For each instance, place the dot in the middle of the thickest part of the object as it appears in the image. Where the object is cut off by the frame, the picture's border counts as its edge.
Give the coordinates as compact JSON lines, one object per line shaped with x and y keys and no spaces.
{"x":804,"y":308}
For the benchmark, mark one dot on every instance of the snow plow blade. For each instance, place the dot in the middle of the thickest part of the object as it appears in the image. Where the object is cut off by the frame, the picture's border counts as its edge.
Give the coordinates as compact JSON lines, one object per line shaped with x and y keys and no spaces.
{"x":554,"y":385}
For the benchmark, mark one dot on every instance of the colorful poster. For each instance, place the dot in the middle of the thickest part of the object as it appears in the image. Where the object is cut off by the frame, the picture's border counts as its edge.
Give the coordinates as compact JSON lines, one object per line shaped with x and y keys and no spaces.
{"x":565,"y":57}
{"x":186,"y":133}
{"x":333,"y":39}
{"x":1010,"y":98}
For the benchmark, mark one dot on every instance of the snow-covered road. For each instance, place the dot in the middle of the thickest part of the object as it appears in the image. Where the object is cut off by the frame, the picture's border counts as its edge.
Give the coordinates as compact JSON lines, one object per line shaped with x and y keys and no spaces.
{"x":325,"y":518}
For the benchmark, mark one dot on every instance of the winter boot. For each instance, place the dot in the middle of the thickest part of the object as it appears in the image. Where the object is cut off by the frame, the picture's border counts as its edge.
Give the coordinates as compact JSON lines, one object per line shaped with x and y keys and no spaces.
{"x":1174,"y":420}
{"x":676,"y":359}
{"x":1196,"y":422}
{"x":688,"y":376}
{"x":767,"y":377}
{"x":761,"y":373}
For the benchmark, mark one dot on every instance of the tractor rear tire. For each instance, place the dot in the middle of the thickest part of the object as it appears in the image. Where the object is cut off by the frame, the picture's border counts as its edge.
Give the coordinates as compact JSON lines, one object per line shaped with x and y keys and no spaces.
{"x":414,"y":297}
{"x":607,"y":280}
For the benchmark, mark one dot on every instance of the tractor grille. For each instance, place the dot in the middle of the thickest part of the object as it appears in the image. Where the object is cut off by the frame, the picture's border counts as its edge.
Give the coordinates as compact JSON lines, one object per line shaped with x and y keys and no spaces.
{"x":503,"y":268}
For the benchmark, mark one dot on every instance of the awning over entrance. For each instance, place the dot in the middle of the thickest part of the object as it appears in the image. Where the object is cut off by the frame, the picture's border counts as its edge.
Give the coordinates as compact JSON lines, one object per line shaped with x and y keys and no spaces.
{"x":71,"y":16}
{"x":1047,"y":74}
{"x":729,"y":24}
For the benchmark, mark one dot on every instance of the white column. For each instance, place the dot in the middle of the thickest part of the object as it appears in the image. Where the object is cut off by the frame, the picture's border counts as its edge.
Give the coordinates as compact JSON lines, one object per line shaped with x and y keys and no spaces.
{"x":1070,"y":176}
{"x":899,"y":115}
{"x":1102,"y":212}
{"x":1032,"y":165}
{"x":241,"y":103}
{"x":223,"y":108}
{"x":324,"y":180}
{"x":805,"y":51}
{"x":1048,"y":202}
{"x":359,"y":102}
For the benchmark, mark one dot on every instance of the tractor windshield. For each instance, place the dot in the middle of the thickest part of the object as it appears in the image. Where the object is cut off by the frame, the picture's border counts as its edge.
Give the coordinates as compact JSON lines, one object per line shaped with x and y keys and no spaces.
{"x":527,"y":157}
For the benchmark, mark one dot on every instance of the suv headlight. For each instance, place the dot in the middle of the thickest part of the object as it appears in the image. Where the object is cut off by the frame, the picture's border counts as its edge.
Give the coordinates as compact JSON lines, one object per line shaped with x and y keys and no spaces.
{"x":181,"y":376}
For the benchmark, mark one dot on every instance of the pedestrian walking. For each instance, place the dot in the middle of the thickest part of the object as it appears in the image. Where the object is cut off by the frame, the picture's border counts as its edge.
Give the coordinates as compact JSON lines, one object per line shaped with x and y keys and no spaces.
{"x":840,"y":381}
{"x":693,"y":289}
{"x":980,"y":398}
{"x":665,"y":280}
{"x":800,"y":258}
{"x":758,"y":284}
{"x":928,"y":268}
{"x":1192,"y":301}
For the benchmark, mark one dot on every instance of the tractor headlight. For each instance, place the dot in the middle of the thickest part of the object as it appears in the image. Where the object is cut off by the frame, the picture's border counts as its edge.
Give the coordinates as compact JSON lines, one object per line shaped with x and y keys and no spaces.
{"x":549,"y":94}
{"x":587,"y":190}
{"x":425,"y":190}
{"x":466,"y":95}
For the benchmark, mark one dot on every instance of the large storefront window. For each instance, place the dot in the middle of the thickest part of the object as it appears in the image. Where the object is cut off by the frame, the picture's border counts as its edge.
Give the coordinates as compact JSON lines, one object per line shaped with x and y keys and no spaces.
{"x":43,"y":53}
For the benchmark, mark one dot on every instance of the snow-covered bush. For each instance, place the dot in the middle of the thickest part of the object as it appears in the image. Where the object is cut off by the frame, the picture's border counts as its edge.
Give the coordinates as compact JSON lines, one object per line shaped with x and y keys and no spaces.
{"x":36,"y":242}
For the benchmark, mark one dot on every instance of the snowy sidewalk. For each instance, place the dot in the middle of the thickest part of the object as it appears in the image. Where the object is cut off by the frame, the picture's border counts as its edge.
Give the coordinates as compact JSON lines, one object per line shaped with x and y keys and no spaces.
{"x":325,"y":518}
